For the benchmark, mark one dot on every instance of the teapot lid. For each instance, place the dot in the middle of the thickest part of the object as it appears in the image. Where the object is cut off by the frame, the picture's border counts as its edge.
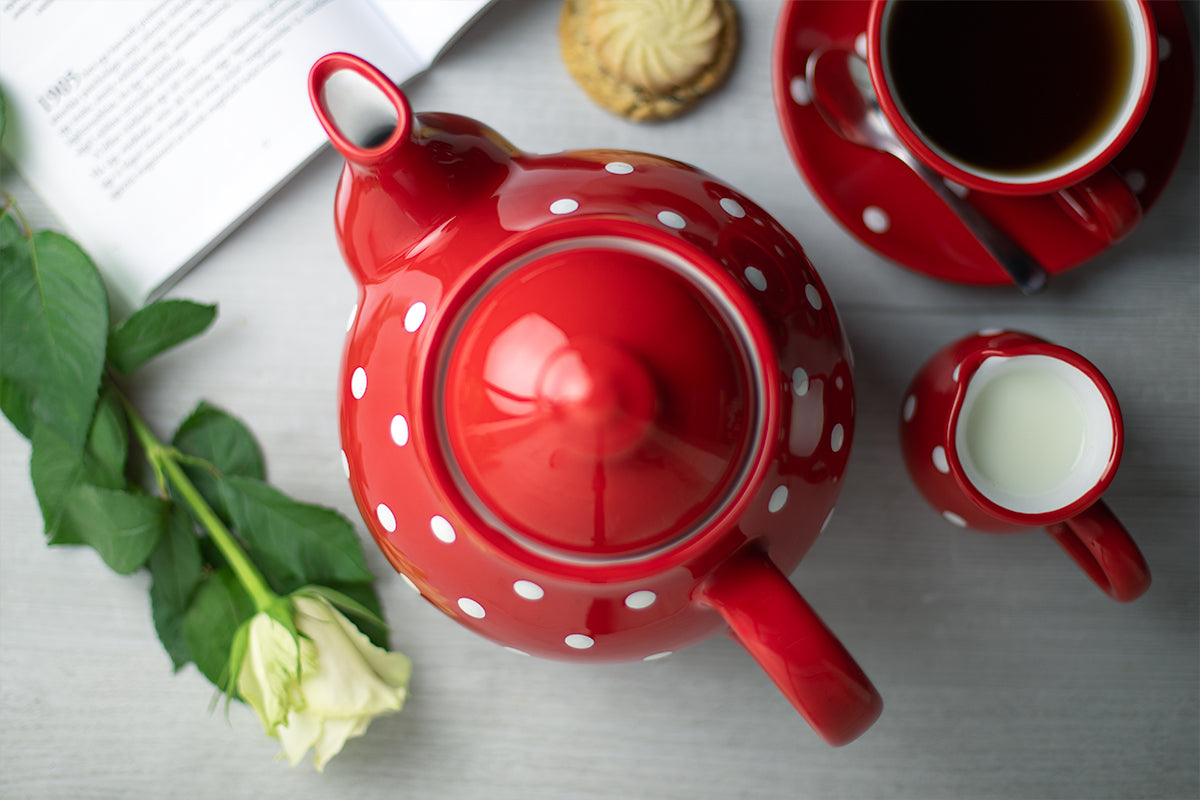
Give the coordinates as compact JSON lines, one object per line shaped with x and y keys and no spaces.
{"x":603,"y":398}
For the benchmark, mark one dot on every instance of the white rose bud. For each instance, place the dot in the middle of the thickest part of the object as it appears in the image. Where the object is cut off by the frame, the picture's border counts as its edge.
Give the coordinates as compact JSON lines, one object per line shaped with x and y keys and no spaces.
{"x":326,"y":692}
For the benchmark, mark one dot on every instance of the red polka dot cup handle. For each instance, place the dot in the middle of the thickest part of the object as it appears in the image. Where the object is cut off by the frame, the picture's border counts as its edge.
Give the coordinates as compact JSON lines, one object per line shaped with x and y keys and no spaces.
{"x":1103,"y":205}
{"x":958,"y":446}
{"x":1084,"y":186}
{"x":774,"y":623}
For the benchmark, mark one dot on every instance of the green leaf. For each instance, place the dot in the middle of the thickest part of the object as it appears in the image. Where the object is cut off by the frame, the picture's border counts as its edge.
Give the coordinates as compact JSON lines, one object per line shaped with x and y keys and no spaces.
{"x":2,"y":116}
{"x":108,"y":442}
{"x":156,"y":328}
{"x":17,"y":394}
{"x":293,"y":543}
{"x":17,"y":404}
{"x":219,"y":607}
{"x":53,"y":325}
{"x":176,"y":569}
{"x":123,"y":527}
{"x":221,"y":439}
{"x":57,"y":469}
{"x":225,"y":443}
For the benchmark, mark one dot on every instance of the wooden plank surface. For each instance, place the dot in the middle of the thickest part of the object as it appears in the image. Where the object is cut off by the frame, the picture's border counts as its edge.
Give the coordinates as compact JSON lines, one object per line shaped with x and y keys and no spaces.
{"x":1004,"y":673}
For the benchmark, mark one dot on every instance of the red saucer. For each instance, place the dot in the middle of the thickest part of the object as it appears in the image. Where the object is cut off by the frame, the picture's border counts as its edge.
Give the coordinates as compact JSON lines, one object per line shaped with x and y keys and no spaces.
{"x":890,"y":210}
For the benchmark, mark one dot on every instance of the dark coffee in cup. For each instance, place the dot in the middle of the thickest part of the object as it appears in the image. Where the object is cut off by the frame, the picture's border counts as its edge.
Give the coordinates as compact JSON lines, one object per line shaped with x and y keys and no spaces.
{"x":1012,"y":87}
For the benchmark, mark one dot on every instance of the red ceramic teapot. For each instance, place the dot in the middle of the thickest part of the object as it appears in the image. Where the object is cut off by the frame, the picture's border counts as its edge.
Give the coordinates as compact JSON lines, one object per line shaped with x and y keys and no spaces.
{"x":595,"y":405}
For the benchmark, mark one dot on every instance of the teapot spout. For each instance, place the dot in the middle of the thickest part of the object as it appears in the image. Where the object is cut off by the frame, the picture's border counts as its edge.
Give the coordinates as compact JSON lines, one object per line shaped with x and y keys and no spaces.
{"x":394,"y":189}
{"x":366,"y":116}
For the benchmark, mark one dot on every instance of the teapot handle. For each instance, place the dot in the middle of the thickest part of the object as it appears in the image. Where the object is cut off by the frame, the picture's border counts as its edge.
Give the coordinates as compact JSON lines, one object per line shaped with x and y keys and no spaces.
{"x":769,"y":618}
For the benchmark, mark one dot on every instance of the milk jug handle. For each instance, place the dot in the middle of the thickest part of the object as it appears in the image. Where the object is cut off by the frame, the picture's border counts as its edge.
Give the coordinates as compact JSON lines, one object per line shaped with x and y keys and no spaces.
{"x":1097,"y":541}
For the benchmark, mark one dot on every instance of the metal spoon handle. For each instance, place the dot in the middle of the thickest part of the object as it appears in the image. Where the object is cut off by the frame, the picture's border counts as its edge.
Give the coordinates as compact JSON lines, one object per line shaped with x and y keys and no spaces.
{"x":843,"y":94}
{"x":1029,"y":275}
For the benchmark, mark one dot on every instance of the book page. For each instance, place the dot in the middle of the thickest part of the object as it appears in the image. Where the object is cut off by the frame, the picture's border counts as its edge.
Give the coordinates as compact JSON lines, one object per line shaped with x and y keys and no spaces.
{"x":152,"y":128}
{"x":430,"y":26}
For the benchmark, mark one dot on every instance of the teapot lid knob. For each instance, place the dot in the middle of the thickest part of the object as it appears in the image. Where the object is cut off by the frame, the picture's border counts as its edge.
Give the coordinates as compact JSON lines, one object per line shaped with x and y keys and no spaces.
{"x":603,"y":400}
{"x":601,"y":397}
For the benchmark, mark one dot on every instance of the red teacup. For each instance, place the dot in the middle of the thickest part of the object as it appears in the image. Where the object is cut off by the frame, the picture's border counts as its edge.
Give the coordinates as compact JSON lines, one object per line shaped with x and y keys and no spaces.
{"x":1003,"y":431}
{"x":1024,"y":98}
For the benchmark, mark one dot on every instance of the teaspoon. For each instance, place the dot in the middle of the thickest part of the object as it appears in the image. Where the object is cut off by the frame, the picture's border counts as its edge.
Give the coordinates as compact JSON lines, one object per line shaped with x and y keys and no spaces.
{"x":840,"y":86}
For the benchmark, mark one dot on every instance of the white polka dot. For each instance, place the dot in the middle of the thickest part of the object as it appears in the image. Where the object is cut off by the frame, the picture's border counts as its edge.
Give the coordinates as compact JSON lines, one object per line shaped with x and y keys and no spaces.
{"x":442,"y":529}
{"x":778,"y":499}
{"x":876,"y":219}
{"x":471,"y":608}
{"x":579,"y":641}
{"x":399,"y":430}
{"x":799,"y":381}
{"x":643,"y":598}
{"x":939,"y":460}
{"x":800,"y":91}
{"x":1164,"y":48}
{"x":619,"y":167}
{"x":415,"y":316}
{"x":756,"y":278}
{"x":529,"y":590}
{"x":564,"y":206}
{"x":732,"y":207}
{"x":991,"y":331}
{"x":353,"y":316}
{"x":409,"y":583}
{"x":910,"y":407}
{"x":515,"y":650}
{"x":837,"y":437}
{"x":838,"y":382}
{"x":1135,"y":179}
{"x":345,"y":464}
{"x":386,"y":518}
{"x":860,"y":44}
{"x":814,"y":296}
{"x":358,"y":383}
{"x":954,"y":519}
{"x":828,"y":517}
{"x":672,"y":220}
{"x":657,"y":656}
{"x":957,"y":371}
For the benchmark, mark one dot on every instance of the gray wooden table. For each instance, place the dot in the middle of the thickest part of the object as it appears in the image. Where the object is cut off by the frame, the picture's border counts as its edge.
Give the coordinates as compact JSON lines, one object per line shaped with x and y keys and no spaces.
{"x":1004,"y":672}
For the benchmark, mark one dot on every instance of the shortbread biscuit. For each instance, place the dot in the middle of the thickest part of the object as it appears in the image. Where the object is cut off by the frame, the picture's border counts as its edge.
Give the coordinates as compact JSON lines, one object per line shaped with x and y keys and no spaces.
{"x":648,"y":59}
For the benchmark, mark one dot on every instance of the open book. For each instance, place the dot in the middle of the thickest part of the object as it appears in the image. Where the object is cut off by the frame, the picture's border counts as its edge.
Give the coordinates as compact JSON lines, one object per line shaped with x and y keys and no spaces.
{"x":152,"y":128}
